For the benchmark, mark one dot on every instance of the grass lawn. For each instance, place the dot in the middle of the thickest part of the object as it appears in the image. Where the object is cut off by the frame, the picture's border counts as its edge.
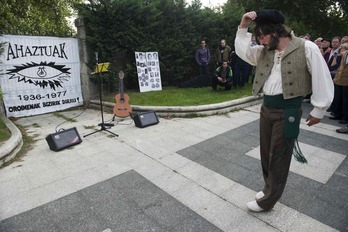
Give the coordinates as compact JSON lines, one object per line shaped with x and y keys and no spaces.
{"x":174,"y":96}
{"x":4,"y":132}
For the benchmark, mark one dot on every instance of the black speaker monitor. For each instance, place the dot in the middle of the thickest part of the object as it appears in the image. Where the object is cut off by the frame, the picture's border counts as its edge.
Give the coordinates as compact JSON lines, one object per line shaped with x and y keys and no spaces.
{"x":63,"y":139}
{"x":145,"y":119}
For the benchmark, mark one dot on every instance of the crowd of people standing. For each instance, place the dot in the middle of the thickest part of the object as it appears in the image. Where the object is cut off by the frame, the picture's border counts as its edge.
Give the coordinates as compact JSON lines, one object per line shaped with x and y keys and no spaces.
{"x":232,"y":71}
{"x":335,"y":52}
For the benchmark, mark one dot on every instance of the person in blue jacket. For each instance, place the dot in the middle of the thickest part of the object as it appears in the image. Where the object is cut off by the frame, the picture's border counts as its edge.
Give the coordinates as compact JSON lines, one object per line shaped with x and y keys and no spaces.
{"x":202,"y":58}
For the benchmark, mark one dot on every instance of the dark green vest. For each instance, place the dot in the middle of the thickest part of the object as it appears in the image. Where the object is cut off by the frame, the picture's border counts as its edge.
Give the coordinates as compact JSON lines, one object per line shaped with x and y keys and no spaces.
{"x":296,"y":80}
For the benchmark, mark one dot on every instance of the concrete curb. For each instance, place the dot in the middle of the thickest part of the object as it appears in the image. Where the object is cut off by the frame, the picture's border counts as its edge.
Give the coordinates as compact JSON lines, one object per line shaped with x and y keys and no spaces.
{"x":183,"y":111}
{"x":12,"y":146}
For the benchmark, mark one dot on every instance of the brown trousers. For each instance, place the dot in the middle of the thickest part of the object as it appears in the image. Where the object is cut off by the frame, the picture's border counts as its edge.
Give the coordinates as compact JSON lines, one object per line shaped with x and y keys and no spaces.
{"x":276,"y":153}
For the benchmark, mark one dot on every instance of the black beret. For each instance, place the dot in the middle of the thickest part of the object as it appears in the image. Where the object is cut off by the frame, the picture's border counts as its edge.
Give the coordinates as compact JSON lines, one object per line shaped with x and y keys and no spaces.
{"x":269,"y":16}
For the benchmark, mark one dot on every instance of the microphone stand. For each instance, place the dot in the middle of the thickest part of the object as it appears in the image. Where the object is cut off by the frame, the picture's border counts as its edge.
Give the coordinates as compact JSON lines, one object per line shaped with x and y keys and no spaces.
{"x":102,"y":124}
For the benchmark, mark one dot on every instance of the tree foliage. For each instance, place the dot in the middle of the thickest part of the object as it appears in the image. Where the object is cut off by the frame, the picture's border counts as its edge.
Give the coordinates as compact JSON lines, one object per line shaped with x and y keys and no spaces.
{"x":35,"y":17}
{"x":318,"y":18}
{"x":117,"y":29}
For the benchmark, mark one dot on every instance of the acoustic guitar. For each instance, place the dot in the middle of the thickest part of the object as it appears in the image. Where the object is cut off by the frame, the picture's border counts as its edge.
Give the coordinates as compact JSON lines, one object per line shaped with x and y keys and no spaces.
{"x":122,"y":108}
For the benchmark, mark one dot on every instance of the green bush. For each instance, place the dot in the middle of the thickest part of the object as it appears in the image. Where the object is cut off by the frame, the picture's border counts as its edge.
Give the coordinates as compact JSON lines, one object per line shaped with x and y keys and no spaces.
{"x":116,"y":29}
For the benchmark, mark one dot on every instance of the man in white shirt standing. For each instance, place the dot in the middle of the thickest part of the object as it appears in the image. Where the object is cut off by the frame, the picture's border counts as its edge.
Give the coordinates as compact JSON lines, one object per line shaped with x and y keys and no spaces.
{"x":335,"y":43}
{"x":332,"y":61}
{"x":287,"y":68}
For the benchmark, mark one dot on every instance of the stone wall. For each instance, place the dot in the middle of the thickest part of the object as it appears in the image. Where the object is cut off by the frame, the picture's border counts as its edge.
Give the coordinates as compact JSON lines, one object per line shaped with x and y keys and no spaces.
{"x":89,"y":90}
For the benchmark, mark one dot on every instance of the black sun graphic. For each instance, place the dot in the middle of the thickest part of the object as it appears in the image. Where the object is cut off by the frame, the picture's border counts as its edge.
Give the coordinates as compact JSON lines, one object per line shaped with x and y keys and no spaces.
{"x":42,"y":75}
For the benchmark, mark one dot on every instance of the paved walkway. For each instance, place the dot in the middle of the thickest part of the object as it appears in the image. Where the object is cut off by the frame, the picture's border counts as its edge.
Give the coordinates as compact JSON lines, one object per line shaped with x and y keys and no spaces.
{"x":183,"y":174}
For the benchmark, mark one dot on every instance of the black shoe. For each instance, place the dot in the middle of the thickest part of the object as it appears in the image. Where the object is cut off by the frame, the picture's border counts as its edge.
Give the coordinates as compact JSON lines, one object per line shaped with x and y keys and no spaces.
{"x":343,"y":121}
{"x":343,"y":130}
{"x":335,"y":117}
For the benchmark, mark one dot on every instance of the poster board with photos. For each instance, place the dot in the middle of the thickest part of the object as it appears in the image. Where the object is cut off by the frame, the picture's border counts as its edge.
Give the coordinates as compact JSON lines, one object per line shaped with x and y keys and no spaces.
{"x":149,"y":75}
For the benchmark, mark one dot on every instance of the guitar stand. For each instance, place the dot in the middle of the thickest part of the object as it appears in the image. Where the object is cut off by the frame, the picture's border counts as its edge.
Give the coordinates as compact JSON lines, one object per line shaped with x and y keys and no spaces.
{"x":102,"y":124}
{"x":113,"y":118}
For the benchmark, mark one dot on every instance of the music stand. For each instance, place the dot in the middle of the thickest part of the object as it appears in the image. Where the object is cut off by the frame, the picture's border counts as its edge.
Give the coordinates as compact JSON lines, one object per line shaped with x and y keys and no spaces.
{"x":99,"y":69}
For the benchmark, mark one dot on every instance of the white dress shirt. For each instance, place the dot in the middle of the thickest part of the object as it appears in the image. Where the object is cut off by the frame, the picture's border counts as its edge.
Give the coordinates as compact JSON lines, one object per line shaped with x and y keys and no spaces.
{"x":332,"y":52}
{"x":322,"y":85}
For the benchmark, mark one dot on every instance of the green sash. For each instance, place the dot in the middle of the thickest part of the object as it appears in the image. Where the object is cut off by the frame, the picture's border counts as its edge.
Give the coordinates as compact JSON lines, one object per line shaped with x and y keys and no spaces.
{"x":292,"y":113}
{"x":292,"y":118}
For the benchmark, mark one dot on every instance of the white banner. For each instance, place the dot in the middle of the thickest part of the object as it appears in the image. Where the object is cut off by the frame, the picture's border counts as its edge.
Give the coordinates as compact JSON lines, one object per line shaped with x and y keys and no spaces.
{"x":40,"y":74}
{"x":149,"y":75}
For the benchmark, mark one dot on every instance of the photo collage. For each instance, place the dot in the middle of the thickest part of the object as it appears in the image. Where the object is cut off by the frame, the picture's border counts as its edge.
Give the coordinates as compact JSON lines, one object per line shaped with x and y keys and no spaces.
{"x":149,"y":75}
